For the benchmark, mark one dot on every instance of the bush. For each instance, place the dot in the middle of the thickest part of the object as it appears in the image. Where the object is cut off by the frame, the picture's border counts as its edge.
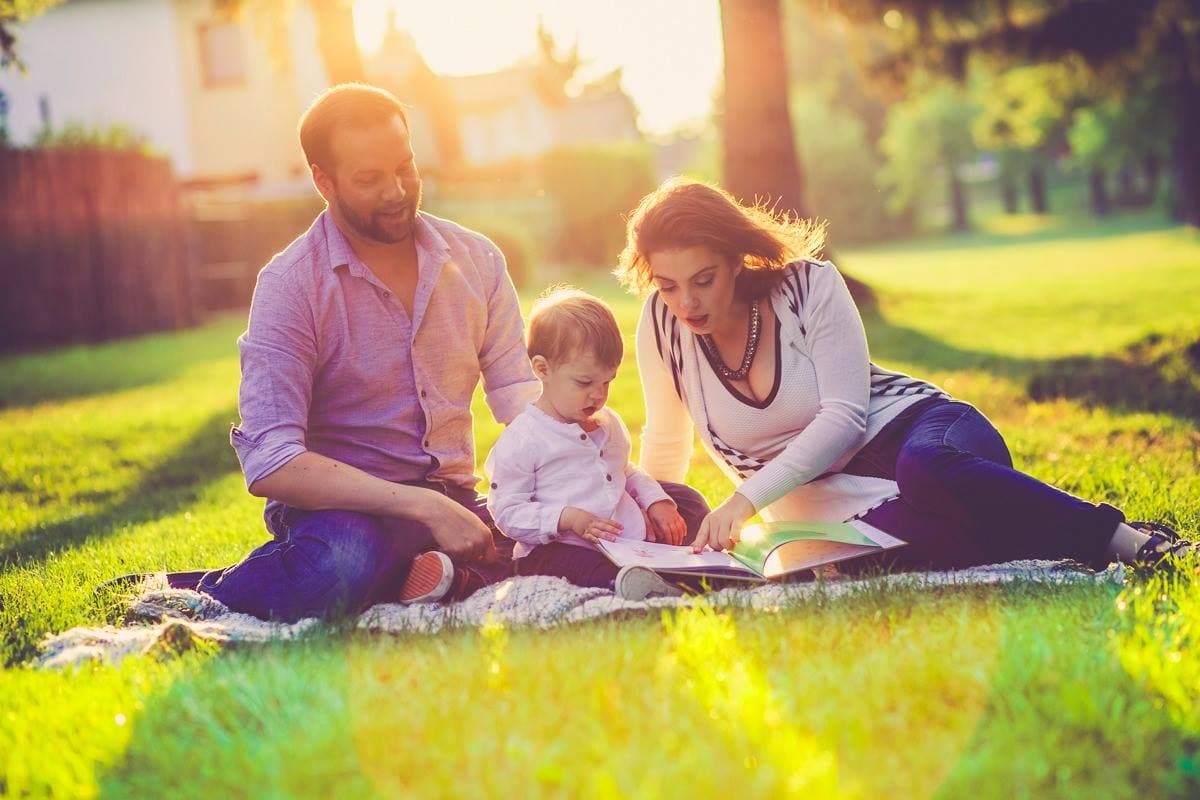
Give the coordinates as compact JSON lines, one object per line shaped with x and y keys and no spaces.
{"x":520,"y":253}
{"x":596,"y":186}
{"x":78,"y":135}
{"x":840,"y":168}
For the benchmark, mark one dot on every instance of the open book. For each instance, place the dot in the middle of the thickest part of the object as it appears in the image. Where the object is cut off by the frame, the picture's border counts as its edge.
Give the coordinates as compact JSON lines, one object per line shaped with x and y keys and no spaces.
{"x":768,"y":551}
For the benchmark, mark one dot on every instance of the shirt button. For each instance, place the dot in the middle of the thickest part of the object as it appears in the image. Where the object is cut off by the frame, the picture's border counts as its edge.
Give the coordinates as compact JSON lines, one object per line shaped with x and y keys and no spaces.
{"x":601,"y":452}
{"x":493,"y":486}
{"x":608,"y":477}
{"x":422,"y":393}
{"x":427,"y":443}
{"x":583,"y":437}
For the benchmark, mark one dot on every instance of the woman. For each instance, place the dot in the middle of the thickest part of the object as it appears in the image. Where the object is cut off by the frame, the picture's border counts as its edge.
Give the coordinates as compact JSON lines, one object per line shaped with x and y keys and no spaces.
{"x":758,"y":346}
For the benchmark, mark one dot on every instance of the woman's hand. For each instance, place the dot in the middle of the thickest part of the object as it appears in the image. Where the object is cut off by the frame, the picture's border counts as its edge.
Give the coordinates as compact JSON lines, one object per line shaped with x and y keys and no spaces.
{"x":665,"y":523}
{"x":588,"y":525}
{"x":721,"y":528}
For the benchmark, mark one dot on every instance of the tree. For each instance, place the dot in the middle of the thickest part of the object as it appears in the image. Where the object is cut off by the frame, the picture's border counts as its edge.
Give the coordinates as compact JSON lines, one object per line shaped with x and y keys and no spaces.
{"x":1024,"y":114}
{"x":927,"y":135}
{"x":335,"y":31}
{"x":12,"y":14}
{"x":1116,"y":38}
{"x":760,"y":160}
{"x":759,"y":153}
{"x":1122,"y":138}
{"x":336,"y":40}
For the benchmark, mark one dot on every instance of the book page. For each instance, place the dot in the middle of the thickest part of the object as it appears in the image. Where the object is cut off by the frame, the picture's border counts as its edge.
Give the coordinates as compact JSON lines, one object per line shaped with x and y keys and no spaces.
{"x":672,"y":558}
{"x":884,"y":540}
{"x":809,"y":553}
{"x":779,"y":548}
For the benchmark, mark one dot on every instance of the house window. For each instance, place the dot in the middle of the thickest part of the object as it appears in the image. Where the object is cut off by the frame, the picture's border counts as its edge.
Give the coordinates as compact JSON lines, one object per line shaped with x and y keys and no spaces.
{"x":222,"y":55}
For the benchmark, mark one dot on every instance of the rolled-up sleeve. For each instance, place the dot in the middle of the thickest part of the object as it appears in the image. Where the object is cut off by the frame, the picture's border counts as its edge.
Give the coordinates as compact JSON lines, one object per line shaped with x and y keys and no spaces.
{"x":508,"y":381}
{"x":278,"y":359}
{"x":512,"y":500}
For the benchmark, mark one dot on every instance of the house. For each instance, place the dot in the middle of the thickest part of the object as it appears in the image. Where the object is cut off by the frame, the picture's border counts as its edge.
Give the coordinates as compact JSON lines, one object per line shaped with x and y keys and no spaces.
{"x":214,"y":93}
{"x":220,"y":95}
{"x":512,"y":114}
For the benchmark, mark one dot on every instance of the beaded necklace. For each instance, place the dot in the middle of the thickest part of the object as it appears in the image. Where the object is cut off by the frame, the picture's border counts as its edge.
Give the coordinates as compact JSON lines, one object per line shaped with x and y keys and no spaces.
{"x":714,"y":355}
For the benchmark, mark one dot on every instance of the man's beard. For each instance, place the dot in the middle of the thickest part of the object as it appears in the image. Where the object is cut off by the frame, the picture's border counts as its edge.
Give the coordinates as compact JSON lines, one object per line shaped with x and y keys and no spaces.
{"x":380,"y":226}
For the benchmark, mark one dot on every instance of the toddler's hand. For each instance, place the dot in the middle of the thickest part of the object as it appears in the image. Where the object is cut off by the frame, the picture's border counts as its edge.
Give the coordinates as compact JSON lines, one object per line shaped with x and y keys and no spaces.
{"x":666,"y":524}
{"x":588,"y":525}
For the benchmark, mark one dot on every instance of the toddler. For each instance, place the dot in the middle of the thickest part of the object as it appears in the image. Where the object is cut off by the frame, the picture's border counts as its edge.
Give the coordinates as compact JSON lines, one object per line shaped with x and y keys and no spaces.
{"x":560,"y":476}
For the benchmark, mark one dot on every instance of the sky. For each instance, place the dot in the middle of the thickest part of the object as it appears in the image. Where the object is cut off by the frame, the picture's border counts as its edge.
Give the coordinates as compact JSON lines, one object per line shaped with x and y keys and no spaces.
{"x":670,"y":50}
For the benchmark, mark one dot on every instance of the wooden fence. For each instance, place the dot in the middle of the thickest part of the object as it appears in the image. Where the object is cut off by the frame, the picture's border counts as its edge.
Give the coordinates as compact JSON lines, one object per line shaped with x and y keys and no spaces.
{"x":93,"y":245}
{"x":98,"y":244}
{"x":232,"y":238}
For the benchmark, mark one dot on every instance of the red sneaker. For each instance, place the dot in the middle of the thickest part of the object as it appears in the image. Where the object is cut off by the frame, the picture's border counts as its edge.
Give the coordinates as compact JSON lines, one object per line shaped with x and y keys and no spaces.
{"x":429,"y":579}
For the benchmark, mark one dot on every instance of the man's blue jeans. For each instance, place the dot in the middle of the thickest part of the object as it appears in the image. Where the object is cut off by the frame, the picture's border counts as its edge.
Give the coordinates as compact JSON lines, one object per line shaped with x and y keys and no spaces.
{"x":961,"y":502}
{"x":330,"y":563}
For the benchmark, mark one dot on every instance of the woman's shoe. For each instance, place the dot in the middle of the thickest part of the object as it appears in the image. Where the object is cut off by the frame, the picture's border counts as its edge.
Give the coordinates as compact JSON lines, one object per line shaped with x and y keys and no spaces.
{"x":1165,"y":550}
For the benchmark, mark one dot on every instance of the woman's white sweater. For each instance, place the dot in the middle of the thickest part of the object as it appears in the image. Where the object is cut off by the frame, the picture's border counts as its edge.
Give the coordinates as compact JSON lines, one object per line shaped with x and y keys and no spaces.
{"x":784,"y":453}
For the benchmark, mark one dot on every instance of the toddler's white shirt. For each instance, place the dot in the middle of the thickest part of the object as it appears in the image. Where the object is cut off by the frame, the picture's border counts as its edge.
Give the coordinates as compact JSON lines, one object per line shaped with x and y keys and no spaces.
{"x":540,"y":465}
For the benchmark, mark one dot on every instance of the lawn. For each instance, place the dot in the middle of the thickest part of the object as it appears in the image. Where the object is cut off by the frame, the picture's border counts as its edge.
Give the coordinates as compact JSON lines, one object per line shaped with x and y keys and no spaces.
{"x":1079,"y":339}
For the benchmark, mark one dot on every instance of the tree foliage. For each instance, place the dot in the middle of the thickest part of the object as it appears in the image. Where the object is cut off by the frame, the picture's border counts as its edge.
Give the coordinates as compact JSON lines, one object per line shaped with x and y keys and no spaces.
{"x":1122,"y":41}
{"x":12,"y":14}
{"x":929,"y":135}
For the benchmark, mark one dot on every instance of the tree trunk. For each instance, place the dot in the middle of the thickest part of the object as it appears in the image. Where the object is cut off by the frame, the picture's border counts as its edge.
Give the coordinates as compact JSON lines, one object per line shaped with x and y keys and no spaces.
{"x":1037,"y":189}
{"x":760,"y":162}
{"x":958,"y":200}
{"x":1127,"y":193}
{"x":1100,"y":202}
{"x":1008,"y":192}
{"x":760,"y":146}
{"x":336,"y":41}
{"x":1151,"y":172}
{"x":1185,"y":168}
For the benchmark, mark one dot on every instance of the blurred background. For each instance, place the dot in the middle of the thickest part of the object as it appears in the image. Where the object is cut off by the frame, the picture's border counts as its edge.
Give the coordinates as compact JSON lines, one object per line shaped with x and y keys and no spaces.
{"x":149,"y":163}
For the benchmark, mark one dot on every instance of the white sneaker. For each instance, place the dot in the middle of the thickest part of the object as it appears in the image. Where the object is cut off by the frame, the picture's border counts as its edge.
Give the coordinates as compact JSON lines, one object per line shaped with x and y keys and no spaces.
{"x":428,"y":579}
{"x":637,"y":583}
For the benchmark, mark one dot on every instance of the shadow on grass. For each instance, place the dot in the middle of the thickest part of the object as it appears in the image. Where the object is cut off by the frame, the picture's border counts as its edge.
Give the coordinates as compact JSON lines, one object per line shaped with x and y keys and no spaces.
{"x":80,"y":371}
{"x":1159,"y":374}
{"x":890,"y":343}
{"x":165,"y":487}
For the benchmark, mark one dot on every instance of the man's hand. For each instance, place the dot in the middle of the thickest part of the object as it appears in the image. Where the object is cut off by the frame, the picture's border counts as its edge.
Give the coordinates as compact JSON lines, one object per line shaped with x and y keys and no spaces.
{"x":459,"y":533}
{"x":665,"y":523}
{"x":588,"y":525}
{"x":721,"y":528}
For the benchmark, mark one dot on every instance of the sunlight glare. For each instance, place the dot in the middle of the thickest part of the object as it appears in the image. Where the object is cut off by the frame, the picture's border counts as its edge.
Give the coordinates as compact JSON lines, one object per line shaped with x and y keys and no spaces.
{"x":669,"y":50}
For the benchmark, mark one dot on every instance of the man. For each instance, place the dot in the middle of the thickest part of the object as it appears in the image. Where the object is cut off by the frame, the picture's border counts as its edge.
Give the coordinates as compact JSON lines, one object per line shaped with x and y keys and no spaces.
{"x":366,"y":339}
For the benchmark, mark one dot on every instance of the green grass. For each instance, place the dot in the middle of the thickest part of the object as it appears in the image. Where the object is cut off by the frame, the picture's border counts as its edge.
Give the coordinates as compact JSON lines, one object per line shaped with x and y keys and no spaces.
{"x":1073,"y":337}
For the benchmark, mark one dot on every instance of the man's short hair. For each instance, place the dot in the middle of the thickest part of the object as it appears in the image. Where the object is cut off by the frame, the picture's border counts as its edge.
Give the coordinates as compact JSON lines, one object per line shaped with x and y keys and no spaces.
{"x":346,"y":105}
{"x":566,"y":322}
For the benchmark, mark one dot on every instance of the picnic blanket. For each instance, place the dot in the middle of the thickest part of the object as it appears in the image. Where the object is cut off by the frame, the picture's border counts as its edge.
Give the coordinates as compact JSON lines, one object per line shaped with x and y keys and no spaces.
{"x":166,"y":621}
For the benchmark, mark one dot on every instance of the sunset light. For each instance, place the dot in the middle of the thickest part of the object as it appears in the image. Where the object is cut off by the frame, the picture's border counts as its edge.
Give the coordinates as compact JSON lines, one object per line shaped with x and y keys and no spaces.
{"x":669,"y":50}
{"x":599,"y":398}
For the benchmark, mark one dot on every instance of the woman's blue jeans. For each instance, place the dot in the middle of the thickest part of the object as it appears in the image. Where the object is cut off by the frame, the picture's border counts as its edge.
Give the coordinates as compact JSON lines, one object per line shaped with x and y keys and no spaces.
{"x":331,"y":563}
{"x":961,"y":502}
